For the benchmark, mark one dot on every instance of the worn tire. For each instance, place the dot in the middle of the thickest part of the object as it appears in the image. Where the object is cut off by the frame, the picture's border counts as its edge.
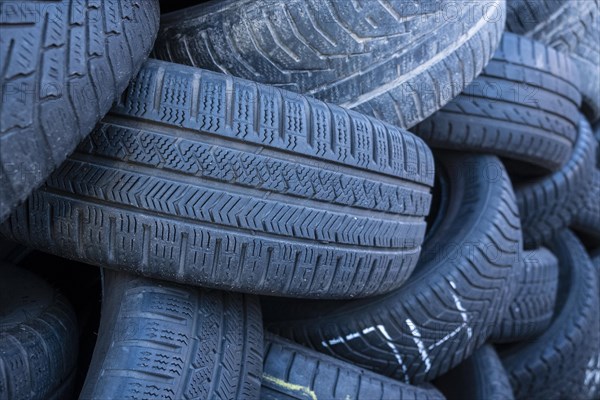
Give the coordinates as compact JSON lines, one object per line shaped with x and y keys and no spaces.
{"x":62,"y":65}
{"x":210,"y":180}
{"x":38,"y":338}
{"x":523,"y":106}
{"x":589,"y":86}
{"x":161,"y":340}
{"x":562,"y":362}
{"x":571,"y":27}
{"x":531,"y":310}
{"x":550,"y":203}
{"x":447,"y":308}
{"x":587,"y":220}
{"x":397,"y":61}
{"x":480,"y":377}
{"x":292,"y":371}
{"x":524,"y":15}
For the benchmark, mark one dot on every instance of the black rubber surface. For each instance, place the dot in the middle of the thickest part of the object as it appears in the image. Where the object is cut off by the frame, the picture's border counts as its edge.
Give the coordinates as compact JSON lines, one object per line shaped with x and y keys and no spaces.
{"x":164,"y":341}
{"x":480,"y":377}
{"x":523,"y":106}
{"x":12,"y":253}
{"x":524,"y":15}
{"x":398,"y":61}
{"x":587,"y":219}
{"x":62,"y":65}
{"x":206,"y":179}
{"x":571,"y":27}
{"x":292,"y":371}
{"x":81,"y":285}
{"x":563,"y":362}
{"x":589,"y":86}
{"x":532,"y":307}
{"x":38,"y":338}
{"x":549,"y":204}
{"x":449,"y":305}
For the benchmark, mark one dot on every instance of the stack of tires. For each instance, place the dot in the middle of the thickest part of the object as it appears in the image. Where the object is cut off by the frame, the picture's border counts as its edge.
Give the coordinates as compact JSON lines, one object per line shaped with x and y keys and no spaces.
{"x":300,"y":199}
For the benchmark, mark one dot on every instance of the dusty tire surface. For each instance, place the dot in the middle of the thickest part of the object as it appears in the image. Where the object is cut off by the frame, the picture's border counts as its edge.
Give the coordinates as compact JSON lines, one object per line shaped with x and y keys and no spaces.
{"x":550,"y":203}
{"x":38,"y":338}
{"x":524,"y":15}
{"x":589,"y":87}
{"x":206,"y":179}
{"x":480,"y":377}
{"x":397,"y":61}
{"x":570,"y":27}
{"x":162,"y":340}
{"x":587,"y":219}
{"x":563,"y":361}
{"x":523,"y":106}
{"x":532,"y":308}
{"x":447,"y":308}
{"x":574,"y":29}
{"x":62,"y":66}
{"x":292,"y":371}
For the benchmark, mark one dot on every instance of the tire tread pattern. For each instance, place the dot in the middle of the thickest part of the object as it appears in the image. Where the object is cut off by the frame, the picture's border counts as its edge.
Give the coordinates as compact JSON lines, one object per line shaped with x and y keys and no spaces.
{"x":381,"y":58}
{"x":560,"y":362}
{"x":532,"y":307}
{"x":292,"y":371}
{"x":62,"y":65}
{"x":451,"y":306}
{"x":522,"y":106}
{"x":549,"y":204}
{"x":160,"y":340}
{"x":200,"y":177}
{"x":38,"y":353}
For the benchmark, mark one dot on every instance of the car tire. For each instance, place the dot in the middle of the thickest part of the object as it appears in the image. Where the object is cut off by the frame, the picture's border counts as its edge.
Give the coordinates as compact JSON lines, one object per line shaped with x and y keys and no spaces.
{"x":524,"y":15}
{"x":570,"y":27}
{"x":63,"y":64}
{"x":39,"y":338}
{"x":523,"y":106}
{"x":162,"y":340}
{"x":292,"y":371}
{"x":532,"y":308}
{"x":397,"y":61}
{"x":480,"y":377}
{"x":550,"y":203}
{"x":587,"y":220}
{"x":447,"y":308}
{"x":563,"y":361}
{"x":205,"y":179}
